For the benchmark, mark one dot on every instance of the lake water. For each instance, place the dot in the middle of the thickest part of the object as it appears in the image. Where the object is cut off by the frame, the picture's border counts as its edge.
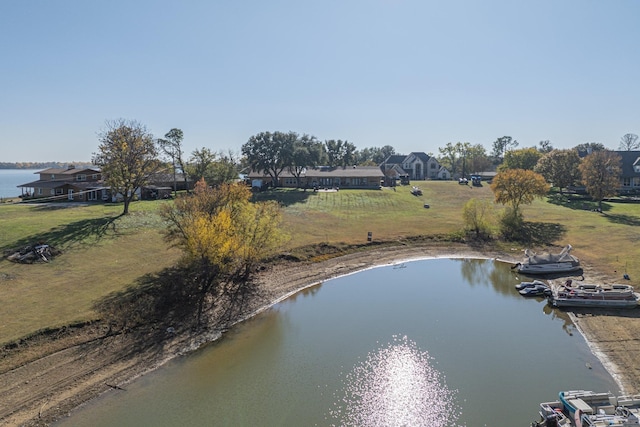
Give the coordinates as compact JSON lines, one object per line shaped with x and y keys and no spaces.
{"x":440,"y":342}
{"x":11,"y":178}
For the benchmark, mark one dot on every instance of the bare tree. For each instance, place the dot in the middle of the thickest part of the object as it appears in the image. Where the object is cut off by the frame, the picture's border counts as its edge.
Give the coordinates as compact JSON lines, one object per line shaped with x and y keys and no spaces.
{"x":629,"y":142}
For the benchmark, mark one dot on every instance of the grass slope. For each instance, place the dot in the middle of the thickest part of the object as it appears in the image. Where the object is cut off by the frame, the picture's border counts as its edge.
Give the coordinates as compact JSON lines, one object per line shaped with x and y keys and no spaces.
{"x":104,"y":252}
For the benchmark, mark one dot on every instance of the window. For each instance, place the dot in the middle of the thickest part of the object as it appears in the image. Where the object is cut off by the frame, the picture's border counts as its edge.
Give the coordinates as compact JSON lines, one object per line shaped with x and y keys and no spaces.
{"x":53,"y":192}
{"x":94,"y":176}
{"x":53,"y":177}
{"x":81,"y":177}
{"x":626,"y":182}
{"x":58,"y":190}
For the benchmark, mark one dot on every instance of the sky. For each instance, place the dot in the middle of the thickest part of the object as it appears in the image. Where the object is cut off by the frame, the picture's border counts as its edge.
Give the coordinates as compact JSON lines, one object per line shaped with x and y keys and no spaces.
{"x":413,"y":74}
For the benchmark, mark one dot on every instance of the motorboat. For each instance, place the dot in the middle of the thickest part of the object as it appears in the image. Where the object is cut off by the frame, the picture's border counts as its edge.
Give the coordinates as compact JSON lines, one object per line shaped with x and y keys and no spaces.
{"x":593,"y":295}
{"x":523,"y":285}
{"x":536,"y":290}
{"x":562,"y":262}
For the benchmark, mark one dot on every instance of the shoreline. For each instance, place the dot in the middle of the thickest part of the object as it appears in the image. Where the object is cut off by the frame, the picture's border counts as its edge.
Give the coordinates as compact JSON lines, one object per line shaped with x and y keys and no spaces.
{"x":41,"y":390}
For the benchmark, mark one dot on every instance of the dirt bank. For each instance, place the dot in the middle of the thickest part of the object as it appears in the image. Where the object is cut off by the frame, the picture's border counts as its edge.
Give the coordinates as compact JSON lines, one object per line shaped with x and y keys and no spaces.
{"x":44,"y":378}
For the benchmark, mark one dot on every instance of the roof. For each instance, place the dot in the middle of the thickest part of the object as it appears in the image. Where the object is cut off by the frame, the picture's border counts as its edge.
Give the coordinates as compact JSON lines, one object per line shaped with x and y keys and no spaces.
{"x":629,"y":158}
{"x":421,"y":155}
{"x":68,"y":171}
{"x":395,"y":159}
{"x":325,"y":171}
{"x":82,"y":185}
{"x":354,"y":171}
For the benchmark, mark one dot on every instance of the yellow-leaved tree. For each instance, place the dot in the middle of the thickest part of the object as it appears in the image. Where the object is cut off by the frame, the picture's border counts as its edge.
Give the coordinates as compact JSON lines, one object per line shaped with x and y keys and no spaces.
{"x":223,"y":235}
{"x":515,"y":187}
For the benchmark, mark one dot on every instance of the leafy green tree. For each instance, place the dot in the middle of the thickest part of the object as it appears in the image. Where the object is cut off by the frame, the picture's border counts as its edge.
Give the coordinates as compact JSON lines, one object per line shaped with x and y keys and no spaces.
{"x":560,"y":168}
{"x":127,"y":156}
{"x":502,"y":145}
{"x":373,"y":156}
{"x":223,"y":235}
{"x":270,"y":152}
{"x":308,"y":152}
{"x":477,"y":159}
{"x":476,"y":214}
{"x":629,"y":142}
{"x":515,"y":187}
{"x":200,"y":164}
{"x":451,"y":157}
{"x":601,"y":172}
{"x":223,"y":170}
{"x":524,"y":158}
{"x":340,"y":153}
{"x":172,"y":147}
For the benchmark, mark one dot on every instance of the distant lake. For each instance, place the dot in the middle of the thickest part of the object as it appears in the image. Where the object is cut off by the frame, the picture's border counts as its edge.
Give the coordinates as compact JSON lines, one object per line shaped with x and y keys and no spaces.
{"x":11,"y":178}
{"x":438,"y":343}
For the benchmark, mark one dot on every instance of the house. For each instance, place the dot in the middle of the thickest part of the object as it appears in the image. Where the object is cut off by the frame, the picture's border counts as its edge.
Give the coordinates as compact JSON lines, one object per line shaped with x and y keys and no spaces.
{"x":85,"y":184}
{"x":368,"y":177}
{"x":416,"y":166}
{"x":394,"y":174}
{"x":630,"y":180}
{"x":443,"y":173}
{"x":71,"y":183}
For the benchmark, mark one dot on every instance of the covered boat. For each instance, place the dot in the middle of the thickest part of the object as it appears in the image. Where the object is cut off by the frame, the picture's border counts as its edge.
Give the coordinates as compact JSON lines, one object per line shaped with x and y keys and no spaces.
{"x":591,"y":295}
{"x":562,"y":262}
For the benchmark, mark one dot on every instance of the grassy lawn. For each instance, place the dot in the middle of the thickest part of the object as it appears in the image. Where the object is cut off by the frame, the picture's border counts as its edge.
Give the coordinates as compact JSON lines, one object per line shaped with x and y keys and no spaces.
{"x":104,"y":252}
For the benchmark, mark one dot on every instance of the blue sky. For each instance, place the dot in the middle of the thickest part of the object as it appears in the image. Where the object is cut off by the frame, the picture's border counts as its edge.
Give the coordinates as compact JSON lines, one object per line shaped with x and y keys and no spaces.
{"x":413,"y":74}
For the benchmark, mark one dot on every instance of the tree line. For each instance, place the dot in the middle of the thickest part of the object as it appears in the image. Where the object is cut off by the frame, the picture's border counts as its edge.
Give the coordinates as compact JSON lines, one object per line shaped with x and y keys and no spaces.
{"x":40,"y":165}
{"x":223,"y":234}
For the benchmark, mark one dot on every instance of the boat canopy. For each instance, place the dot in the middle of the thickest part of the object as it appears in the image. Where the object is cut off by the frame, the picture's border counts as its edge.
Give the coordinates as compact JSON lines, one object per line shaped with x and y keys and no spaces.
{"x":563,"y":256}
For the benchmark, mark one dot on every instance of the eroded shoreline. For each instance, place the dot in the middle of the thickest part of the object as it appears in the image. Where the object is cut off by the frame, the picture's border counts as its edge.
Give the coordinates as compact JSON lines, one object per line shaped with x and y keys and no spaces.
{"x":40,"y":390}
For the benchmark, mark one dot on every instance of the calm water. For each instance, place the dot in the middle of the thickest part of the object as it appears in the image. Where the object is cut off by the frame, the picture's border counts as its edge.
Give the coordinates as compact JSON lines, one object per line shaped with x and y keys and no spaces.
{"x":437,"y":343}
{"x":10,"y":178}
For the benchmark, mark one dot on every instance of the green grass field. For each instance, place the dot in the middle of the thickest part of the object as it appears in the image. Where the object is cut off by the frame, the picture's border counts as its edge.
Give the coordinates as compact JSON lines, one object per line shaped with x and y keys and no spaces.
{"x":104,"y":252}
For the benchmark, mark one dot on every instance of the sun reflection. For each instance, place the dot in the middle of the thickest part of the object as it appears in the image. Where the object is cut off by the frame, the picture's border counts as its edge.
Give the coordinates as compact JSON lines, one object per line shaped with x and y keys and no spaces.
{"x":396,"y":386}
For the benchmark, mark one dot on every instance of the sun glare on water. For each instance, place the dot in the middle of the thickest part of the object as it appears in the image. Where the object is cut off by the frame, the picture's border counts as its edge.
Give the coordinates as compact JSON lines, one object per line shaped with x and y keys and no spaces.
{"x":396,"y":386}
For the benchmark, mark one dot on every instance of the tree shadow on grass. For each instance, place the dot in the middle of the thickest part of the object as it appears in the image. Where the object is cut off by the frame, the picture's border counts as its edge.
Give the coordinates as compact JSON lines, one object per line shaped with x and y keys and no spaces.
{"x":623,"y":219}
{"x":576,"y":202}
{"x":74,"y":232}
{"x":539,"y":233}
{"x":286,"y":197}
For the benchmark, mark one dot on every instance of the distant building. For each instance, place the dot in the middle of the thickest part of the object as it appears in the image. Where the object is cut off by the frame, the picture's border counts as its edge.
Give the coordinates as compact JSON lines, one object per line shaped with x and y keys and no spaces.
{"x":368,"y":177}
{"x":415,"y":166}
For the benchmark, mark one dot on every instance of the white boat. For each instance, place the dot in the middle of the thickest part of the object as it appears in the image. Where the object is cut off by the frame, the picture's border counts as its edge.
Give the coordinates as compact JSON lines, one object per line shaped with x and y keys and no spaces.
{"x":589,"y":409}
{"x":562,"y":262}
{"x":591,"y":295}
